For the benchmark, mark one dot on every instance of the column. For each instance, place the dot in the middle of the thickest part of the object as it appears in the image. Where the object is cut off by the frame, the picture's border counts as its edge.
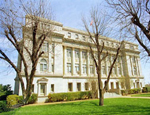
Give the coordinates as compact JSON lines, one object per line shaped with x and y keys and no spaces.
{"x":80,"y":62}
{"x":73,"y":62}
{"x":64,"y":60}
{"x":88,"y":62}
{"x":138,"y":67}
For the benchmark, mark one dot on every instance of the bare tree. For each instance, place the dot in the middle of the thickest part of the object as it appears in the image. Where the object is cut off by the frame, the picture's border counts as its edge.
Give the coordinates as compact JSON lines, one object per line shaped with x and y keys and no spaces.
{"x":98,"y":48}
{"x":133,"y":16}
{"x":28,"y":48}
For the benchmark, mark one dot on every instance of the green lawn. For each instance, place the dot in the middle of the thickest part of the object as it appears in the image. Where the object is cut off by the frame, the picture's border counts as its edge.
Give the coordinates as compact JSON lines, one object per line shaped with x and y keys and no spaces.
{"x":141,"y":95}
{"x":115,"y":106}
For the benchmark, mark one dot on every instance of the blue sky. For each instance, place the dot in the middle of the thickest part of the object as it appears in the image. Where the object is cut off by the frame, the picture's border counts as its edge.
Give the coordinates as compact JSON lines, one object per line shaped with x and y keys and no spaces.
{"x":69,"y":13}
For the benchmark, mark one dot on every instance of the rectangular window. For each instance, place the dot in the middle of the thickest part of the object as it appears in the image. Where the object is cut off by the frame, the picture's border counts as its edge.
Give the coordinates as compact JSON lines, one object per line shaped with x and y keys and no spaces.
{"x":91,"y":69}
{"x":69,"y":53}
{"x":78,"y":86}
{"x":112,"y":85}
{"x":134,"y":85}
{"x":103,"y":70}
{"x":84,"y":55}
{"x":53,"y":48}
{"x":52,"y":67}
{"x":32,"y":87}
{"x":77,"y":36}
{"x":122,"y":84}
{"x":68,"y":67}
{"x":86,"y":86}
{"x":52,"y":87}
{"x":70,"y":87}
{"x":77,"y":68}
{"x":133,"y":59}
{"x":135,"y":71}
{"x":119,"y":70}
{"x":45,"y":47}
{"x":77,"y":54}
{"x":69,"y":35}
{"x":83,"y":38}
{"x":117,"y":85}
{"x":84,"y":68}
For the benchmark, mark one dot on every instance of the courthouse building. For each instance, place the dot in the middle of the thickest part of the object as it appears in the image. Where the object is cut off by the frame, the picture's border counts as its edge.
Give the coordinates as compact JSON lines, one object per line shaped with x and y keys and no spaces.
{"x":66,"y":65}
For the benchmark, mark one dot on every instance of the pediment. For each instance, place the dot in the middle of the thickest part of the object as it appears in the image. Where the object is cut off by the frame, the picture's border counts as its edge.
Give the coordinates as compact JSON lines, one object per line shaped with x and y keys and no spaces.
{"x":43,"y":79}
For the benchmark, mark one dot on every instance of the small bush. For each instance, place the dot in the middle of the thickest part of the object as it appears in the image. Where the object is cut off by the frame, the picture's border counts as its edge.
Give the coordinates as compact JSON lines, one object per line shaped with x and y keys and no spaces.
{"x":134,"y":91}
{"x":71,"y":96}
{"x":4,"y":107}
{"x":12,"y":100}
{"x":123,"y":92}
{"x":148,"y":88}
{"x":33,"y":98}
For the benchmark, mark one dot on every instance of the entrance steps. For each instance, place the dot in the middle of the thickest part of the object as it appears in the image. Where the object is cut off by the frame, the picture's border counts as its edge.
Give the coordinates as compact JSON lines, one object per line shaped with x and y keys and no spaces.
{"x":110,"y":95}
{"x":42,"y":99}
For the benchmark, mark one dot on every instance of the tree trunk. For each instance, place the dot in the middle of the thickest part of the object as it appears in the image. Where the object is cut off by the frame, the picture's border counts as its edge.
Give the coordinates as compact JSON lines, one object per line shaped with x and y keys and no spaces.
{"x":101,"y":98}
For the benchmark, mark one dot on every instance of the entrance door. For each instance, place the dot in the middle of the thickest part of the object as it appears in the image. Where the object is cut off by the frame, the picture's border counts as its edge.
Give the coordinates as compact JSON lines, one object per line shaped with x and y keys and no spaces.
{"x":42,"y":90}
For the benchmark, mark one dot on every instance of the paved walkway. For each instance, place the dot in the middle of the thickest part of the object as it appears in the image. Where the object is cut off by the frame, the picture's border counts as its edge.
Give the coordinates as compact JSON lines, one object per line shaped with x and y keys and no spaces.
{"x":36,"y":104}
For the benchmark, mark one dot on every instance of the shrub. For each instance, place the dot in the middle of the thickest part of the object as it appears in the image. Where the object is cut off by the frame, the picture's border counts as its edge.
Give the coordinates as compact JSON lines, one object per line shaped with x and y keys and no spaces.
{"x":69,"y":96}
{"x":12,"y":100}
{"x":32,"y":99}
{"x":144,"y":90}
{"x":148,"y":88}
{"x":123,"y":92}
{"x":4,"y":107}
{"x":134,"y":91}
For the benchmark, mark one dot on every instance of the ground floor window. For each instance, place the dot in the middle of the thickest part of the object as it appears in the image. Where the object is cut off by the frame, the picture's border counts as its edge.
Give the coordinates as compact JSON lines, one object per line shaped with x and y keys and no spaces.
{"x":70,"y":87}
{"x":86,"y":86}
{"x":52,"y":87}
{"x":78,"y":86}
{"x":122,"y":84}
{"x":112,"y":85}
{"x":32,"y":87}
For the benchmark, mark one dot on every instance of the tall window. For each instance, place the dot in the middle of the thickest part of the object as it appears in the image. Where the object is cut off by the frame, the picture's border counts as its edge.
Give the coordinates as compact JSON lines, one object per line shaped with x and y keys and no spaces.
{"x":53,"y":48}
{"x":78,"y":86}
{"x":133,"y":59}
{"x":91,"y":69}
{"x":84,"y":68}
{"x":52,"y":87}
{"x":77,"y":68}
{"x":45,"y":47}
{"x":69,"y":35}
{"x":77,"y":54}
{"x":69,"y":53}
{"x":84,"y":56}
{"x":77,"y":36}
{"x":70,"y":87}
{"x":32,"y":87}
{"x":112,"y":85}
{"x":86,"y":86}
{"x":103,"y":70}
{"x":68,"y":67}
{"x":119,"y":70}
{"x":83,"y":38}
{"x":43,"y":65}
{"x":135,"y":71}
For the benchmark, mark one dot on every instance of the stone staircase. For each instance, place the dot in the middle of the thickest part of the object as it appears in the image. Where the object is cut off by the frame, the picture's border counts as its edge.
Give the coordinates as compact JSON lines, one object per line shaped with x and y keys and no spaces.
{"x":111,"y":94}
{"x":42,"y":99}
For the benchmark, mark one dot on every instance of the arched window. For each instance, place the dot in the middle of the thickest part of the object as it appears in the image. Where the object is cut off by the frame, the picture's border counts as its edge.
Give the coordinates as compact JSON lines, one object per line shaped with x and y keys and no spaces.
{"x":43,"y":65}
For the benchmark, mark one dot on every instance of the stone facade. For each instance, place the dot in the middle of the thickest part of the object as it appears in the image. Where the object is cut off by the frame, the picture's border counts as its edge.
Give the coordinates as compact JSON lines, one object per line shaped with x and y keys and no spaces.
{"x":67,"y":66}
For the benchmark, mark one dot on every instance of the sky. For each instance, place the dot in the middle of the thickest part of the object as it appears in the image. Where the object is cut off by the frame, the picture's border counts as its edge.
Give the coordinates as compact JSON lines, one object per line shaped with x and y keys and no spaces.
{"x":69,"y":13}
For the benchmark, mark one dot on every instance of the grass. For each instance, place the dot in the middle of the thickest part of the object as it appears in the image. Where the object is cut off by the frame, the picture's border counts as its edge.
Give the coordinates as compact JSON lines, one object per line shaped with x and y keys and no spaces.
{"x":141,"y":95}
{"x":115,"y":106}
